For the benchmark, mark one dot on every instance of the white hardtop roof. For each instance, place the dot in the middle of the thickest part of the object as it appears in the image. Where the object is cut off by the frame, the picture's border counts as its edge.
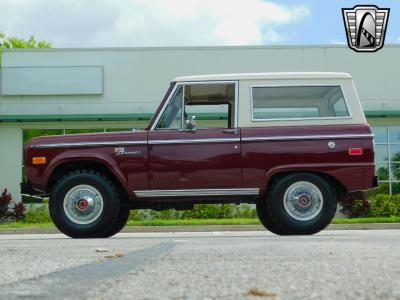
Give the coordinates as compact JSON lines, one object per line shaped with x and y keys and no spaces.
{"x":270,"y":76}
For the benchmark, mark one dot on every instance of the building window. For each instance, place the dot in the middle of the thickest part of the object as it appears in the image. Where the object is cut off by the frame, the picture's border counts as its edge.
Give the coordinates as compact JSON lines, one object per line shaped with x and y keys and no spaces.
{"x":387,"y":156}
{"x":294,"y":102}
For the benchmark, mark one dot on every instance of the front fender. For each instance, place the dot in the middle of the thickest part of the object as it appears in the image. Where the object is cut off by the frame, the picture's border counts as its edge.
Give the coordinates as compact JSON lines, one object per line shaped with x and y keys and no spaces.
{"x":74,"y":156}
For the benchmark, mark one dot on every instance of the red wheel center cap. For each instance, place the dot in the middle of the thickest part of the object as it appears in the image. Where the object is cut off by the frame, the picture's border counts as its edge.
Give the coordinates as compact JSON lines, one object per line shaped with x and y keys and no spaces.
{"x":304,"y":201}
{"x":82,"y":204}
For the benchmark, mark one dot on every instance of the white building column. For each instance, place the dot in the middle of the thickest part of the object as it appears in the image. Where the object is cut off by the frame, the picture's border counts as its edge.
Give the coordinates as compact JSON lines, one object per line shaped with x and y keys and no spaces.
{"x":11,"y":160}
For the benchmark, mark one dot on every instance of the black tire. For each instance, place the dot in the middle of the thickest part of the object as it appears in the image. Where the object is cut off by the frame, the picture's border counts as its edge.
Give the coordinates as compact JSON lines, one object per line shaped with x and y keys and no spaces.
{"x":265,"y":219}
{"x":107,"y":217}
{"x":283,"y":223}
{"x":120,"y":223}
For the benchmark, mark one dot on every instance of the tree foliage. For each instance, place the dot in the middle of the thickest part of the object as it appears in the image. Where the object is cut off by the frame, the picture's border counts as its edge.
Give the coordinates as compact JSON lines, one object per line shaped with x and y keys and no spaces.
{"x":16,"y":42}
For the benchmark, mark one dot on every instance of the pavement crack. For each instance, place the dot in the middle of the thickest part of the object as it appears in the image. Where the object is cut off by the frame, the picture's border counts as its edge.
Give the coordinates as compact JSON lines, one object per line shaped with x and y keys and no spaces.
{"x":72,"y":283}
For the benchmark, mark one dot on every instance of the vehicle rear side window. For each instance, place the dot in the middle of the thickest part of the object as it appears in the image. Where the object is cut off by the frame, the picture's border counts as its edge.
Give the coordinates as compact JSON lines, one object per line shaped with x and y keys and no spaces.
{"x":294,"y":102}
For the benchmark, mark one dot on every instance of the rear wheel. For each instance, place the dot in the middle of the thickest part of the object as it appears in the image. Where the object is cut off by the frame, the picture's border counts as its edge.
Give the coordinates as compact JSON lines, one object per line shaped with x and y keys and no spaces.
{"x":300,"y":203}
{"x":265,"y":219}
{"x":84,"y":204}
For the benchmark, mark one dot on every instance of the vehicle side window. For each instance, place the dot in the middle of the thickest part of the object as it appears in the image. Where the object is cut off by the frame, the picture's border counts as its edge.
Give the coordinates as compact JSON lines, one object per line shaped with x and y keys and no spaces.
{"x":200,"y":106}
{"x":292,"y":102}
{"x":208,"y":115}
{"x":172,"y":117}
{"x":211,"y":105}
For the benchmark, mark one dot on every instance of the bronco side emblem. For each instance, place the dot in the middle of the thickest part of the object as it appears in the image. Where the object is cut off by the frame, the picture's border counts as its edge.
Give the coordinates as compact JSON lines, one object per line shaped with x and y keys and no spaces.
{"x":365,"y":27}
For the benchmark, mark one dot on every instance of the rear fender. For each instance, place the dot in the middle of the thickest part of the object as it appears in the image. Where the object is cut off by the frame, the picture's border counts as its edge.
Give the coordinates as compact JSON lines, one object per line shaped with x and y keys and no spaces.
{"x":342,"y":173}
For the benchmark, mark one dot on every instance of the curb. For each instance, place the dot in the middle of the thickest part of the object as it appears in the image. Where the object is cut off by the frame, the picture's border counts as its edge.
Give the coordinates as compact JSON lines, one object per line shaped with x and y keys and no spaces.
{"x":204,"y":228}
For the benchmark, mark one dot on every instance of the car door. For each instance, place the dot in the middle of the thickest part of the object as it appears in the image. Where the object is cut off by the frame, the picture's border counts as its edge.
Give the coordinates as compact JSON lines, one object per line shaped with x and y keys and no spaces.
{"x":184,"y":157}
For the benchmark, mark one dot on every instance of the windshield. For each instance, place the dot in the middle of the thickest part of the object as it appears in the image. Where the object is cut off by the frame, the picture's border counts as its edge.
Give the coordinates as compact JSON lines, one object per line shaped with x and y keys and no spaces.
{"x":172,"y":117}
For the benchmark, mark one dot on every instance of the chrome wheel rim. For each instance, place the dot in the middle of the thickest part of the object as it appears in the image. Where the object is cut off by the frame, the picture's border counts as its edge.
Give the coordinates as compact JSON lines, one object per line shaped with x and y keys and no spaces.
{"x":303,"y":201}
{"x":83,"y":204}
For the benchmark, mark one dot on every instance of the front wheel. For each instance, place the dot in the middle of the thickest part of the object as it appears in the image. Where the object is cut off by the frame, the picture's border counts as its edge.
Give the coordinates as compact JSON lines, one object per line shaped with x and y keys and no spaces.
{"x":301,"y":204}
{"x":85,"y":204}
{"x":120,"y":223}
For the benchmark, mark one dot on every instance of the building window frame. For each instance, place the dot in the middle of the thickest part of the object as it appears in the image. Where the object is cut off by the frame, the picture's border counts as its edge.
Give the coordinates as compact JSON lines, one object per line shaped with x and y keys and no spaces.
{"x":387,"y":144}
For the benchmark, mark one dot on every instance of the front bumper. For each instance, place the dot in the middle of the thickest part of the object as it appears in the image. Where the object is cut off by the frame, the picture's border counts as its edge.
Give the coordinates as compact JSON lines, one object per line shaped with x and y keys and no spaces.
{"x":30,"y":195}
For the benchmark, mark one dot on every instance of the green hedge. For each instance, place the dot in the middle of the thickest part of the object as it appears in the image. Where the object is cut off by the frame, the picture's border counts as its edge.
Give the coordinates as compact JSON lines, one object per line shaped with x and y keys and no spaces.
{"x":385,"y":206}
{"x":380,"y":205}
{"x":201,"y":211}
{"x":39,"y":213}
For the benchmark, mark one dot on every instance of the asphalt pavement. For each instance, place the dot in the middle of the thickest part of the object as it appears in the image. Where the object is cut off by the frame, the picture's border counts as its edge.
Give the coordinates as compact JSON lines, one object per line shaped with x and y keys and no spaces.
{"x":334,"y":264}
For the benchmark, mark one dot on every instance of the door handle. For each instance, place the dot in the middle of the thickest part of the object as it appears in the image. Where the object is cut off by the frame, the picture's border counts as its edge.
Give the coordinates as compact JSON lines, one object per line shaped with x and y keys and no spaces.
{"x":230,"y":131}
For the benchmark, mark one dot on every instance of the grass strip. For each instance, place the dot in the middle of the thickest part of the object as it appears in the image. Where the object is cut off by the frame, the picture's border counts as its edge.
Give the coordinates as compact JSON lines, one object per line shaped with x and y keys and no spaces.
{"x":185,"y":222}
{"x":26,"y":225}
{"x":393,"y":219}
{"x":194,"y":222}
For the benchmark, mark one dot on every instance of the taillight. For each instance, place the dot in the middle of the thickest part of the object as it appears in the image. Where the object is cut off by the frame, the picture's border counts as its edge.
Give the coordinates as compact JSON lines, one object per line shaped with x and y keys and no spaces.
{"x":355,"y":151}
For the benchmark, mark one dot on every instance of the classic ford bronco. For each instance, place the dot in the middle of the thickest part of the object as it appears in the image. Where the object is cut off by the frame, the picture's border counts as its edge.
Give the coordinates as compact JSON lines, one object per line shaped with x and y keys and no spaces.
{"x":295,"y":144}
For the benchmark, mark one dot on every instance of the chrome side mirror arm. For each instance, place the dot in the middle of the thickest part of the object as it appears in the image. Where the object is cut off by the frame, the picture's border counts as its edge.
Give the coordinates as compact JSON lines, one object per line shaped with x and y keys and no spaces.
{"x":190,"y":124}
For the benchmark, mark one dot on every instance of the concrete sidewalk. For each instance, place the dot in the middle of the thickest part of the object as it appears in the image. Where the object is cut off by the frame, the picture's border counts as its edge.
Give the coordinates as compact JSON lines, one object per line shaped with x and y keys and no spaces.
{"x":204,"y":228}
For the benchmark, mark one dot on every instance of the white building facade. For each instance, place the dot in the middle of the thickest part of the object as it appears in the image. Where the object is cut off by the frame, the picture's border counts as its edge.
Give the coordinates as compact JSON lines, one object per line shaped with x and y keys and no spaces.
{"x":60,"y":91}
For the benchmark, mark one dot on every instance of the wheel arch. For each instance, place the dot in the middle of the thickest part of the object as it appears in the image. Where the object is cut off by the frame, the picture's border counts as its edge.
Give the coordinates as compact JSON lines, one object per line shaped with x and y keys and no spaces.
{"x":64,"y":167}
{"x":341,"y":190}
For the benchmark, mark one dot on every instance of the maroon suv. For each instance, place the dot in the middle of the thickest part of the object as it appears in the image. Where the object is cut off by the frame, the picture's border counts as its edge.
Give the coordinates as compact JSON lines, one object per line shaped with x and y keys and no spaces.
{"x":294,"y":144}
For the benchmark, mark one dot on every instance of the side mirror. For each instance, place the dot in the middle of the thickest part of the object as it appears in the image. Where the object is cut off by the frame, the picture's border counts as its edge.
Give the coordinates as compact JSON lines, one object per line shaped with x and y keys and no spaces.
{"x":190,"y":123}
